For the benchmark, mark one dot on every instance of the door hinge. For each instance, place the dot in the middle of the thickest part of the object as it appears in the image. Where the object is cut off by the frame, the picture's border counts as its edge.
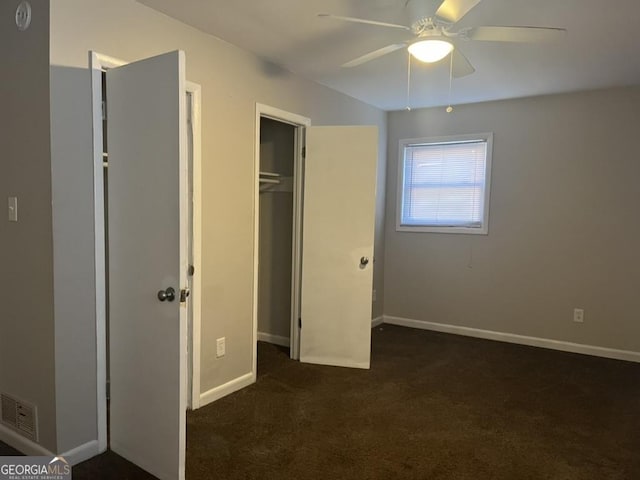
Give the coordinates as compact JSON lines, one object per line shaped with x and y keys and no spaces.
{"x":184,"y":293}
{"x":191,"y":270}
{"x":299,"y":322}
{"x":304,"y":152}
{"x":189,"y":108}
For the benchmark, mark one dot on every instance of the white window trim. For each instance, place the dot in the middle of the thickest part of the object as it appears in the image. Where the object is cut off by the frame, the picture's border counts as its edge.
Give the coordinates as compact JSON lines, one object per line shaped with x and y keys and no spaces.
{"x":488,"y":137}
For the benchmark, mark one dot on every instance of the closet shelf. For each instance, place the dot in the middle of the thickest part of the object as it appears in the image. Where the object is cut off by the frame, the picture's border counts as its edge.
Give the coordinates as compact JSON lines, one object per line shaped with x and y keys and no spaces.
{"x":270,"y":180}
{"x":270,"y":177}
{"x":278,"y":184}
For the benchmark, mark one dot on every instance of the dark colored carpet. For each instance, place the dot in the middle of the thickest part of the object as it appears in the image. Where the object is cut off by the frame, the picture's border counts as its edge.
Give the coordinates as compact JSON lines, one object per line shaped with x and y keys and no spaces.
{"x":107,"y":466}
{"x":433,"y":406}
{"x":7,"y":451}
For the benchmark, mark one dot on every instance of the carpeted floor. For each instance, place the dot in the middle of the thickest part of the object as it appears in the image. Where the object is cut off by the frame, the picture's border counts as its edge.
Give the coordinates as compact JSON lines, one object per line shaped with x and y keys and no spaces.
{"x":433,"y":406}
{"x":7,"y":451}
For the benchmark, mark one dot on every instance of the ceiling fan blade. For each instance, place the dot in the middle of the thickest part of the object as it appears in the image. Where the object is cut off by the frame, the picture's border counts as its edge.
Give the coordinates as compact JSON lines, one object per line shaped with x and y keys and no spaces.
{"x":461,"y":65}
{"x":516,"y":34}
{"x":362,"y":20}
{"x":452,"y":11}
{"x":373,"y":55}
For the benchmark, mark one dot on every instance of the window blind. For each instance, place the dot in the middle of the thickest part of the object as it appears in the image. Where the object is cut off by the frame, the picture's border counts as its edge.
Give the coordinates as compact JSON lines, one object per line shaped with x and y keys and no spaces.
{"x":444,"y":184}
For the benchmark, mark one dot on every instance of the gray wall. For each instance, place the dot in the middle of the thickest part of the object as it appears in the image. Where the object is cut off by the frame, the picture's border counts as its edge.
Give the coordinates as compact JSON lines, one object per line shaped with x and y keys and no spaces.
{"x":277,"y":155}
{"x":73,"y":247}
{"x":232,"y":81}
{"x":563,"y":228}
{"x":26,"y":258}
{"x":379,"y":248}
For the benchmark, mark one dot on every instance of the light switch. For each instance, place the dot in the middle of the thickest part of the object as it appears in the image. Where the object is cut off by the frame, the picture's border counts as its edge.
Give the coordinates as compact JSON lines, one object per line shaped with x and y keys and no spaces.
{"x":220,"y":347}
{"x":13,"y":209}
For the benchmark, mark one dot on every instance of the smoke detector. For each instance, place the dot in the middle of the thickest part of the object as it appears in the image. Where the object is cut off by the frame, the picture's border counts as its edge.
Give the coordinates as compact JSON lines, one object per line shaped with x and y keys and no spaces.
{"x":23,"y":16}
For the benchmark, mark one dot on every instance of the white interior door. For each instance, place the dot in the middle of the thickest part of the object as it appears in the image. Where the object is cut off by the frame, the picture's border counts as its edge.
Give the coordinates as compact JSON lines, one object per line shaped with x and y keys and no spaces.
{"x":148,"y":255}
{"x":337,"y":251}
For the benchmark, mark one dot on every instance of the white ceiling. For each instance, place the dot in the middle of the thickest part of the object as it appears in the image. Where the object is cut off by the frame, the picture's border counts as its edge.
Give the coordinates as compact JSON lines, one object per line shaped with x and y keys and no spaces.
{"x":602,"y":48}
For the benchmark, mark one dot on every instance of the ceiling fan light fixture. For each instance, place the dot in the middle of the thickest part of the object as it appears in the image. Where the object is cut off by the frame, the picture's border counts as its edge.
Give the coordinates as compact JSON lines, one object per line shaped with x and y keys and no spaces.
{"x":430,"y":50}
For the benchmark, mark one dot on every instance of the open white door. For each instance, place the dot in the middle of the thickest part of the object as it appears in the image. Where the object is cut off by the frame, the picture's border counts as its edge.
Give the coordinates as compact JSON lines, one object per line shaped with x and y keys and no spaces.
{"x":337,"y":251}
{"x":147,"y":257}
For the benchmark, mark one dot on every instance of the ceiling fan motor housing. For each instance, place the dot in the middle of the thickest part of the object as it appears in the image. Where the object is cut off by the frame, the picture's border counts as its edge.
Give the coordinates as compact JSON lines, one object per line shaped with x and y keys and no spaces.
{"x":422,"y":15}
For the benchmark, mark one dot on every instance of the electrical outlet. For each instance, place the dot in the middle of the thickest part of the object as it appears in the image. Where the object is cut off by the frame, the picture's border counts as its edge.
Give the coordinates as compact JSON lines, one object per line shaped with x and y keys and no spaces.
{"x":373,"y":295}
{"x":220,"y":347}
{"x":578,"y":315}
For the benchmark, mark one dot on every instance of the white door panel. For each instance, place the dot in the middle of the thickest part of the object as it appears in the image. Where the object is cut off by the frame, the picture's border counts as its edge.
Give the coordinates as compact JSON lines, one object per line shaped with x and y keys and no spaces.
{"x":339,"y":222}
{"x":147,"y":253}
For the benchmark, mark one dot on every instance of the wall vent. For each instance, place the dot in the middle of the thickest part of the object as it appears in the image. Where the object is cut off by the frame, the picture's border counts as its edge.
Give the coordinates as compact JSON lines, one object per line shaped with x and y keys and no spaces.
{"x":20,"y":416}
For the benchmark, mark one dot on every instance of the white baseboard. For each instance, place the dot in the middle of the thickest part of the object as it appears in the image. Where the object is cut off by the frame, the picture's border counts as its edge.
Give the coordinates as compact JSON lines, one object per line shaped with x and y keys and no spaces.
{"x":377,"y":321}
{"x":275,"y":339}
{"x":22,"y":444}
{"x":81,"y":453}
{"x":30,"y":448}
{"x":227,"y":389}
{"x":519,"y":339}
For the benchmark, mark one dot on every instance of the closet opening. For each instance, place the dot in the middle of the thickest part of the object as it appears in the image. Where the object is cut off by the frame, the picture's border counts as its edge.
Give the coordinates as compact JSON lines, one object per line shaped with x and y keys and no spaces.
{"x":279,"y":232}
{"x":313,"y":239}
{"x":100,"y":66}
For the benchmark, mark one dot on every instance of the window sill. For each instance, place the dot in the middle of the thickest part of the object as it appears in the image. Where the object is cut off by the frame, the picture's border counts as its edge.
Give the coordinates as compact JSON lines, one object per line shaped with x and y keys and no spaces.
{"x":456,"y":230}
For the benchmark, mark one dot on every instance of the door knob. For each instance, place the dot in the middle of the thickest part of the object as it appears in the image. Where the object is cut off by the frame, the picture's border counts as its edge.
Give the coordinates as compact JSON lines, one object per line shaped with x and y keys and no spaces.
{"x":364,"y":261}
{"x":168,"y":294}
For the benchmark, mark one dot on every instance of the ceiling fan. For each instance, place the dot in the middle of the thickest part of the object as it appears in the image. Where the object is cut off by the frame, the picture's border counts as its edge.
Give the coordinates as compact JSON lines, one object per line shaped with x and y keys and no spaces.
{"x":434,"y":35}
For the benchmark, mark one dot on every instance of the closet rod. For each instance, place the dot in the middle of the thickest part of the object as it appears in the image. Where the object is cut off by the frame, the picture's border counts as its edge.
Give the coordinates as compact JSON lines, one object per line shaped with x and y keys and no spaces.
{"x":269,"y":180}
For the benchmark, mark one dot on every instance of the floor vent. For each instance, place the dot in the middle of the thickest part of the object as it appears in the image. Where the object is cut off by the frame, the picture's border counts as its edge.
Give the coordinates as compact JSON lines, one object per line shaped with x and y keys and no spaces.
{"x":20,"y":416}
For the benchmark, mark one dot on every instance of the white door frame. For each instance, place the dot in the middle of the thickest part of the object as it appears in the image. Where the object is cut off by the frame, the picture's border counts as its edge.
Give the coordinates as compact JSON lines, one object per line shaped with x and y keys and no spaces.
{"x":300,"y":122}
{"x":196,"y":282}
{"x":97,"y":64}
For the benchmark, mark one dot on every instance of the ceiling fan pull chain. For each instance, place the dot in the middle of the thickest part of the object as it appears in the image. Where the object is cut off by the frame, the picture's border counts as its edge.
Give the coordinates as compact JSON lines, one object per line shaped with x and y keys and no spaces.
{"x":449,"y":107}
{"x":409,"y":82}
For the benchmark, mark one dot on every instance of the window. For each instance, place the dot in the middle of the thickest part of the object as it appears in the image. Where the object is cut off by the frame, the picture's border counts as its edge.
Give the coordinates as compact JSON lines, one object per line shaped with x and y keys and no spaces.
{"x":444,"y":184}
